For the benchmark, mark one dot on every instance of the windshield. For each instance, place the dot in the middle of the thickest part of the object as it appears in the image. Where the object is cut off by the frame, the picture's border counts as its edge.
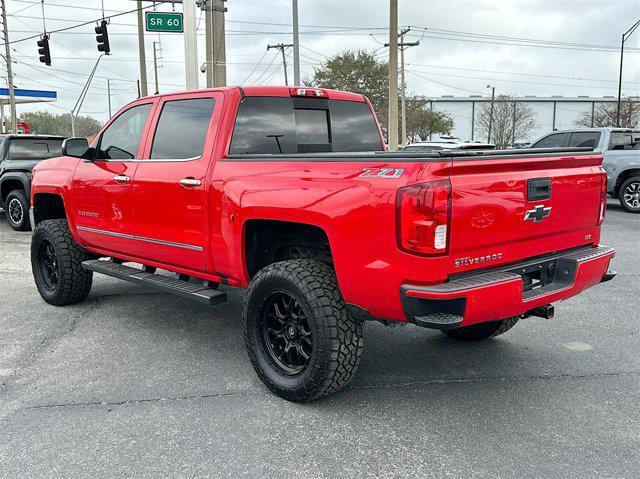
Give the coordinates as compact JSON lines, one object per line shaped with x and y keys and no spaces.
{"x":34,"y":148}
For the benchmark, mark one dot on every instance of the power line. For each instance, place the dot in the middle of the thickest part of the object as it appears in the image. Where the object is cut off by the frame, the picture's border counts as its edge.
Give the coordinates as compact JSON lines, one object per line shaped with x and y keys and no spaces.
{"x":80,"y":24}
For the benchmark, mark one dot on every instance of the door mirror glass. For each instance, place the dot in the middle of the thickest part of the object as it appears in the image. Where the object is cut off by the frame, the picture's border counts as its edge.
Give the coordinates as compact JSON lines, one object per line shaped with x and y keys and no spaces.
{"x":75,"y":147}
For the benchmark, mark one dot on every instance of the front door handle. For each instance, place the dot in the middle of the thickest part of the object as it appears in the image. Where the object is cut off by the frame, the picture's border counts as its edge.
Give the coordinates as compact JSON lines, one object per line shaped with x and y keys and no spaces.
{"x":122,"y":179}
{"x":188,"y":182}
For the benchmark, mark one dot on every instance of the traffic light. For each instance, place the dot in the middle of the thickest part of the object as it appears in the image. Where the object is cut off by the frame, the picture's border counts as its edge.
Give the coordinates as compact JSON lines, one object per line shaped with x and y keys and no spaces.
{"x":43,"y":50}
{"x":102,"y":37}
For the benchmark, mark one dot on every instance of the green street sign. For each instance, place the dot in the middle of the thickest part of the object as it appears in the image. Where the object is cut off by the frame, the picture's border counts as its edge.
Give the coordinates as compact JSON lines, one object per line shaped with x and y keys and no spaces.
{"x":163,"y":22}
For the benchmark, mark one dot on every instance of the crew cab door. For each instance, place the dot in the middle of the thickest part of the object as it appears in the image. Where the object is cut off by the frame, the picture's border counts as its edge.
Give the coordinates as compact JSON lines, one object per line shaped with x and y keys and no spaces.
{"x":102,"y":190}
{"x":170,"y":199}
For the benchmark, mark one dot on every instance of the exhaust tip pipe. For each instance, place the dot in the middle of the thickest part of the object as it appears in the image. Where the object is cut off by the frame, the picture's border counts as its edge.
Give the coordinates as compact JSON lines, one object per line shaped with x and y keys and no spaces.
{"x":546,"y":311}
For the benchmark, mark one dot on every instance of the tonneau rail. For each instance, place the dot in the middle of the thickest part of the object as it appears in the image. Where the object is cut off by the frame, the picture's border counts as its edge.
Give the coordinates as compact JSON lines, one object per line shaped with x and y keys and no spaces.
{"x":371,"y":156}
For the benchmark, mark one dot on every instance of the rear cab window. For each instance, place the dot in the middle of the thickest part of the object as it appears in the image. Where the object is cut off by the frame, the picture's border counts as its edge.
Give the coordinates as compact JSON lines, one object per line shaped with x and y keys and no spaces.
{"x":182,"y":129}
{"x":555,"y":140}
{"x":276,"y":125}
{"x":34,"y":148}
{"x":584,"y":139}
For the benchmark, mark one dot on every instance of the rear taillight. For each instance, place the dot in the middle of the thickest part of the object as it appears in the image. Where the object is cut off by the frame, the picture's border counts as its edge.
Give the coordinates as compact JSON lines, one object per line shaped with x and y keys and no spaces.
{"x":603,"y":198}
{"x":423,"y":217}
{"x":313,"y":92}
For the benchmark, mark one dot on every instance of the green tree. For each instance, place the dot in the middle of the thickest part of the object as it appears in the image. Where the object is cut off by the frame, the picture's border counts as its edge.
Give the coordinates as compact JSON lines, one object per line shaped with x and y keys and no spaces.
{"x":47,"y":123}
{"x":422,"y":121}
{"x":357,"y":71}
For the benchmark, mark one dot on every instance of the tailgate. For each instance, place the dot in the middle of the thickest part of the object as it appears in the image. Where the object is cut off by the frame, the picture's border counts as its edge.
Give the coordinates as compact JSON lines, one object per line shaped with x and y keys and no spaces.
{"x":508,"y":209}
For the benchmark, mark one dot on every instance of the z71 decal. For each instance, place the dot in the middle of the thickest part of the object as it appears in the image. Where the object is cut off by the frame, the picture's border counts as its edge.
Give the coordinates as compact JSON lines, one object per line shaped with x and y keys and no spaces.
{"x":381,"y":173}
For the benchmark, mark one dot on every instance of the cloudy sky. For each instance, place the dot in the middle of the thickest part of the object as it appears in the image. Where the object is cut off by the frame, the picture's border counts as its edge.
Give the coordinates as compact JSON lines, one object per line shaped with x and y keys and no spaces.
{"x":523,"y":47}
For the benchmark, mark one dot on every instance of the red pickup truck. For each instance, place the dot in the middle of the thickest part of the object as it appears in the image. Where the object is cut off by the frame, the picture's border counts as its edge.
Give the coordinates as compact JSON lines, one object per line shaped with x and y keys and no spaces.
{"x":289,"y":192}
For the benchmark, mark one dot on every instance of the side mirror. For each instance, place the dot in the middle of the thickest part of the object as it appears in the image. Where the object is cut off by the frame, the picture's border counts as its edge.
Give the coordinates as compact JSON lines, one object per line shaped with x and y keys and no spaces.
{"x":76,"y":147}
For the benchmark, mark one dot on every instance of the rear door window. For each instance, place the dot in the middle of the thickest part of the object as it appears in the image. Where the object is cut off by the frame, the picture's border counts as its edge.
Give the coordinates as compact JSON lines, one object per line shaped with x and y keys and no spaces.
{"x":267,"y":125}
{"x":552,"y":141}
{"x":182,"y":129}
{"x":584,"y":139}
{"x":34,"y":148}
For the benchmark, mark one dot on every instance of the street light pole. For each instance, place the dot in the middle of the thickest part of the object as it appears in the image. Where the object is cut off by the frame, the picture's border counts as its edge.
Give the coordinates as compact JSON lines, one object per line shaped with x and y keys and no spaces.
{"x":625,"y":37}
{"x":493,"y":96}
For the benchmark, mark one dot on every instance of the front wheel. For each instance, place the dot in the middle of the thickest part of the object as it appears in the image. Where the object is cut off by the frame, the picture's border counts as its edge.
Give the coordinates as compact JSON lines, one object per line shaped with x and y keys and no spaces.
{"x":56,"y":262}
{"x":629,"y":195}
{"x":301,"y":340}
{"x":480,"y":331}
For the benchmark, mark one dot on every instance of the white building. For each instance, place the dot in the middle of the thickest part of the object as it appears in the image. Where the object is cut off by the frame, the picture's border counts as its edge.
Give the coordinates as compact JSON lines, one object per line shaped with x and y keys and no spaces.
{"x":555,"y":112}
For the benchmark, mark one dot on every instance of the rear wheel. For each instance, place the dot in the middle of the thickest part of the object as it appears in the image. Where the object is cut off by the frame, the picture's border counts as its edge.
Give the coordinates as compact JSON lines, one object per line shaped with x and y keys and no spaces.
{"x":17,"y":210}
{"x":480,"y":331}
{"x":301,"y":340}
{"x":56,"y":262}
{"x":629,"y":195}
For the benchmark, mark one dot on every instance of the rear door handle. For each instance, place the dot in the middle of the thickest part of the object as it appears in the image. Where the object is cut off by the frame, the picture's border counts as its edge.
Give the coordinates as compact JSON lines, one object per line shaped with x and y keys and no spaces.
{"x":122,"y":179}
{"x":189,"y":182}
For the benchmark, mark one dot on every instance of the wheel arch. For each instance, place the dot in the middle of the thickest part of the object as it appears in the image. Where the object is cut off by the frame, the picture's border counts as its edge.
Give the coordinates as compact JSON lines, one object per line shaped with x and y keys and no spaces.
{"x":624,"y":176}
{"x":48,"y":206}
{"x":14,"y":180}
{"x":267,"y":241}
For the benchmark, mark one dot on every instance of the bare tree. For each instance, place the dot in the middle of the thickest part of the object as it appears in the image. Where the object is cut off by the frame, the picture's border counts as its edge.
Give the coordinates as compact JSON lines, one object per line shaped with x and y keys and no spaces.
{"x":604,"y":115}
{"x":512,"y":120}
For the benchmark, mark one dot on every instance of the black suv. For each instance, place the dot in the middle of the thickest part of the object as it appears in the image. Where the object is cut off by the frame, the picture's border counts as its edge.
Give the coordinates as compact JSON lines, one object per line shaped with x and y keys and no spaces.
{"x":18,"y":155}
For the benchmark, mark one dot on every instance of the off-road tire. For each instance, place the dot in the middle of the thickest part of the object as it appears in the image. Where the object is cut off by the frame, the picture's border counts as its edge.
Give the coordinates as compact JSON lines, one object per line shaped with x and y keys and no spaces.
{"x":74,"y":283}
{"x":631,"y":182}
{"x":481,"y":331}
{"x":19,"y":199}
{"x":337,"y":337}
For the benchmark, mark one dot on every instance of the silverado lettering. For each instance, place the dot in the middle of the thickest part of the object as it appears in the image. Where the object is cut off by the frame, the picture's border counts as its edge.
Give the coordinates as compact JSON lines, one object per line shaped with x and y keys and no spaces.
{"x":264,"y":188}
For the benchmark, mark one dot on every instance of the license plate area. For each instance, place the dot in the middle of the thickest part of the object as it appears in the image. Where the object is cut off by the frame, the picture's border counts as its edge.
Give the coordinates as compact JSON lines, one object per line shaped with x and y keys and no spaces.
{"x":538,"y":275}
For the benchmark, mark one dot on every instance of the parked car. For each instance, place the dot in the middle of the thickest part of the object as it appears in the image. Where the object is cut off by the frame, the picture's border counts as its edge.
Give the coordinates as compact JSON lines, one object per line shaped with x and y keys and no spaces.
{"x":18,"y":155}
{"x":446,"y":144}
{"x":288,"y":192}
{"x":621,"y":158}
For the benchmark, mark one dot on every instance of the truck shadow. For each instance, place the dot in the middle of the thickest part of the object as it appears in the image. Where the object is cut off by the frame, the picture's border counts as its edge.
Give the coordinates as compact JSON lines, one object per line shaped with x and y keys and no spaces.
{"x":392,"y":356}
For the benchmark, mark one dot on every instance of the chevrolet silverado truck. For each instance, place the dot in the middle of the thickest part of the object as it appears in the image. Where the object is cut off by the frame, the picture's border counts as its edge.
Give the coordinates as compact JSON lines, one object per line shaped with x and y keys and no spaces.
{"x":289,"y":193}
{"x":620,"y":148}
{"x":18,"y":155}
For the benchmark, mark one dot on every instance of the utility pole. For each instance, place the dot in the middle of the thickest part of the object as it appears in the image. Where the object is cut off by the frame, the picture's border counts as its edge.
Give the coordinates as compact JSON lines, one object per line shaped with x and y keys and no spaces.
{"x":281,"y":47}
{"x":216,"y":63}
{"x":625,"y":37}
{"x":392,"y":132}
{"x":403,"y":107}
{"x":109,"y":95}
{"x":7,"y":58}
{"x":493,"y":96}
{"x":141,"y":52}
{"x":155,"y":67}
{"x":296,"y":45}
{"x":190,"y":44}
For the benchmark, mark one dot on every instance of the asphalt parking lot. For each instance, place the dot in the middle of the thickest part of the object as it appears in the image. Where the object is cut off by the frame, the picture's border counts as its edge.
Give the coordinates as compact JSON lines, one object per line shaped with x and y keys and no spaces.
{"x":133,"y":383}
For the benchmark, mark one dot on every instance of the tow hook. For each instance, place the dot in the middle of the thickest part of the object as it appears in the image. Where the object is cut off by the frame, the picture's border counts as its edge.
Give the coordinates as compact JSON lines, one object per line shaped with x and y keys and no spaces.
{"x":546,"y":311}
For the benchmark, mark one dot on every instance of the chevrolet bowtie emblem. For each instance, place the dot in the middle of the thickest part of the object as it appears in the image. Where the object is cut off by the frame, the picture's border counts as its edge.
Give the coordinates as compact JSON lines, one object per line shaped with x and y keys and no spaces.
{"x":537,"y":214}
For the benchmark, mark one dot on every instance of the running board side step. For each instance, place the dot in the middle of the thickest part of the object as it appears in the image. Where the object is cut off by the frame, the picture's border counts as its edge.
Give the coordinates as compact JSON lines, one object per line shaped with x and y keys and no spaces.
{"x":166,"y":284}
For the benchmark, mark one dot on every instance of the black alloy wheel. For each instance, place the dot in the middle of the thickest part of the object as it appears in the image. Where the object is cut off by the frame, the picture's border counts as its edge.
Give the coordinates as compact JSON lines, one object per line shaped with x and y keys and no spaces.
{"x":286,"y":333}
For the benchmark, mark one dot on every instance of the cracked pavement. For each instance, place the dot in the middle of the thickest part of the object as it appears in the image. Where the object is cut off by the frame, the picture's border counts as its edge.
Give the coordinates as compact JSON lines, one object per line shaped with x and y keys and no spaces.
{"x":133,"y":383}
